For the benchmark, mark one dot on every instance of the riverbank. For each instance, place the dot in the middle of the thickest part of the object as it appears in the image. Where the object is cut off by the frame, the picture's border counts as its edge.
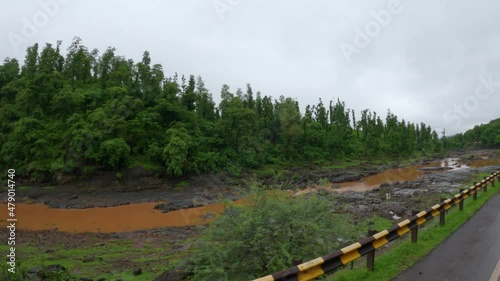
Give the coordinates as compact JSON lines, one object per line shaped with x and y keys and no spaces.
{"x":138,"y":185}
{"x":95,"y":253}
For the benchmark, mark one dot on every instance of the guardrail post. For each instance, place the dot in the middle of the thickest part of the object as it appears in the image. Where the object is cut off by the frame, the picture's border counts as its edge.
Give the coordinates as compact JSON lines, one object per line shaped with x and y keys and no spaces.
{"x":474,"y":196}
{"x":461,"y":204}
{"x":370,"y":256}
{"x":442,"y":215}
{"x":414,"y":231}
{"x":485,"y":185}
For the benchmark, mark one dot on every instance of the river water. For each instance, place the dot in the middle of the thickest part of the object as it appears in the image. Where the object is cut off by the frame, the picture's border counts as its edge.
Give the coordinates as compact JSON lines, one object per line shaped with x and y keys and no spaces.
{"x":408,"y":173}
{"x":143,"y":216}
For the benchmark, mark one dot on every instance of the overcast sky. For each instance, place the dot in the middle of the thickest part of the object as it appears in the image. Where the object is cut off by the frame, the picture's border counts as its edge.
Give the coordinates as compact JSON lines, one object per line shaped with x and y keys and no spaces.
{"x":432,"y":61}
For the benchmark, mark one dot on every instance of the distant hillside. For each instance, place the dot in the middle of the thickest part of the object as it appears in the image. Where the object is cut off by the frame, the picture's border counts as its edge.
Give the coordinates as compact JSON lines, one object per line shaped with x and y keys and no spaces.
{"x":481,"y":136}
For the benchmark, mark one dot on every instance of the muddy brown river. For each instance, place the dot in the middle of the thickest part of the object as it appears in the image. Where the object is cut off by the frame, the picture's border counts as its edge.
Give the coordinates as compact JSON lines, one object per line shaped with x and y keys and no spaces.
{"x":409,"y":173}
{"x":112,"y":219}
{"x":143,"y":216}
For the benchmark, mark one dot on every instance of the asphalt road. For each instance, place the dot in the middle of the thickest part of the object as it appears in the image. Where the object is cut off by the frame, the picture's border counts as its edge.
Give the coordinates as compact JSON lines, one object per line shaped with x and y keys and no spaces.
{"x":472,"y":253}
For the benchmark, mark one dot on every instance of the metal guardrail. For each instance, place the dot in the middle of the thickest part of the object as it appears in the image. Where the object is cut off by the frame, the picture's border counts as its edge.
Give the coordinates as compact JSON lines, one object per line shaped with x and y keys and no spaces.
{"x":319,"y":266}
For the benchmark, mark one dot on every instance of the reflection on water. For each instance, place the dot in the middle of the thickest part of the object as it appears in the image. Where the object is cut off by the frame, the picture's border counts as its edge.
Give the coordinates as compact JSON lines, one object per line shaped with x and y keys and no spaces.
{"x":143,"y":216}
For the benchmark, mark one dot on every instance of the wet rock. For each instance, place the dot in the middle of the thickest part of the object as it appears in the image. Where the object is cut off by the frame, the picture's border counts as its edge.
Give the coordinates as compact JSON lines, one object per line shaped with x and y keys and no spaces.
{"x":427,"y":169}
{"x":35,"y":195}
{"x":173,"y":206}
{"x":49,"y":271}
{"x":165,"y":208}
{"x":349,"y":209}
{"x":384,"y":184}
{"x":374,"y":201}
{"x":346,"y":178}
{"x":159,"y":206}
{"x":172,"y":276}
{"x":404,"y":192}
{"x":362,"y":209}
{"x":35,"y":270}
{"x":199,"y":201}
{"x":395,"y":207}
{"x":370,"y":172}
{"x":352,"y":195}
{"x":137,"y":271}
{"x":207,"y":216}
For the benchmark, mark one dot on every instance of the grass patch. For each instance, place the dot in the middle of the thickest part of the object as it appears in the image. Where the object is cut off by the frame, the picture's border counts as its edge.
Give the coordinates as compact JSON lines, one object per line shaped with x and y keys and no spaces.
{"x":404,"y":253}
{"x":378,"y":223}
{"x":343,"y":163}
{"x":116,"y":259}
{"x":181,"y":184}
{"x":265,"y":173}
{"x":24,"y":188}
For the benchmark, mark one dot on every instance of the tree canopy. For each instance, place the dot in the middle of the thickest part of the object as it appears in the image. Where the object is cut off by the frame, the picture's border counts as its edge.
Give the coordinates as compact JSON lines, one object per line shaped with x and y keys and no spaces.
{"x":85,"y":111}
{"x":481,"y":136}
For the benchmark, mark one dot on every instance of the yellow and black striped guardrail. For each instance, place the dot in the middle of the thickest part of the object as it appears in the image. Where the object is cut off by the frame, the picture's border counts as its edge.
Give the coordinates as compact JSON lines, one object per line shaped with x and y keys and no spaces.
{"x":319,"y":266}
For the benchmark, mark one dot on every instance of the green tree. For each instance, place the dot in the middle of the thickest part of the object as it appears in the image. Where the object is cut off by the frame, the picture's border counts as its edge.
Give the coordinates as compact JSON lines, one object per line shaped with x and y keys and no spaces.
{"x":78,"y":64}
{"x":8,"y":71}
{"x":291,"y":130}
{"x":188,"y":96}
{"x":176,"y":151}
{"x":114,"y":153}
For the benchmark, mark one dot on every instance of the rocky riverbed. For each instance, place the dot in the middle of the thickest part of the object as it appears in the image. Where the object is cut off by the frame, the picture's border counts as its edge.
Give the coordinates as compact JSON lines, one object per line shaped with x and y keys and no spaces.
{"x":399,"y":199}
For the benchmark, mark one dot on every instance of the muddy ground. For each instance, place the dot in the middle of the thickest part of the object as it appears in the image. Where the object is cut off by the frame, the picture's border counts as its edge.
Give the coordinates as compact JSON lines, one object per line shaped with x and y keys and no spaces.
{"x":390,"y":200}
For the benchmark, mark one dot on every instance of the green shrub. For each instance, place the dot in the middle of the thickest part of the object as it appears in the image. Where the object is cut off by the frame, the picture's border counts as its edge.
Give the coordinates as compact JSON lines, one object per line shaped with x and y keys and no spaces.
{"x":269,"y":232}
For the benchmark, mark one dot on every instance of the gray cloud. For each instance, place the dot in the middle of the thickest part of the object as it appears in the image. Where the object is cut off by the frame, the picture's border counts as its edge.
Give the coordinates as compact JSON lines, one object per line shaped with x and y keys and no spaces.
{"x":424,"y":65}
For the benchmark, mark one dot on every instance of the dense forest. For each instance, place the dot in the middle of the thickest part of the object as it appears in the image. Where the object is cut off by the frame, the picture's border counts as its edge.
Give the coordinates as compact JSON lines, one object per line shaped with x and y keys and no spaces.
{"x":83,"y":111}
{"x":481,"y":136}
